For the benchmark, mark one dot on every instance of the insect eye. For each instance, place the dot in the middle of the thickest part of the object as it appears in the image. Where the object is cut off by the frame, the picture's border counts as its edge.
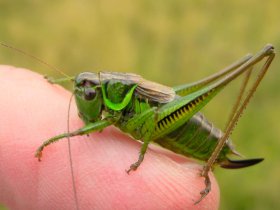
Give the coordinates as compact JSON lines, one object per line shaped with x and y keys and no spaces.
{"x":90,"y":94}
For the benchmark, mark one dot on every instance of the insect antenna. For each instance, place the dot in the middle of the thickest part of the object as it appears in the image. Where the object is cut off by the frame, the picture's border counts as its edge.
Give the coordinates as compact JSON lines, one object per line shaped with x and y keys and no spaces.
{"x":35,"y":58}
{"x":70,"y":155}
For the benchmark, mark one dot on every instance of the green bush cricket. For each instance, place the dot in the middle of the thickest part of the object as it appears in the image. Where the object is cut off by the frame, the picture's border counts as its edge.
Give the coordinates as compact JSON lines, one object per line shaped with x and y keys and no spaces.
{"x":170,"y":117}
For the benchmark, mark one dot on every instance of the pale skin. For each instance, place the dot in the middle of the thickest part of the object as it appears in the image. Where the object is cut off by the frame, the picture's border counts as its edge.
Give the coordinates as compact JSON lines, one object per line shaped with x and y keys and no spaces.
{"x":32,"y":110}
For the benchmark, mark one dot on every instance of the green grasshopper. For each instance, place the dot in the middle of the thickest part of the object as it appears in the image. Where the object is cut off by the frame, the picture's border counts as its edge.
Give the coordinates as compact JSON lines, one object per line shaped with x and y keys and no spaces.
{"x":170,"y":117}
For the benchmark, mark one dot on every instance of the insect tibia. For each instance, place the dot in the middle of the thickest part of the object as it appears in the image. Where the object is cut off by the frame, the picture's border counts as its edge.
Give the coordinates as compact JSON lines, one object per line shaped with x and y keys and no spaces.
{"x":234,"y":164}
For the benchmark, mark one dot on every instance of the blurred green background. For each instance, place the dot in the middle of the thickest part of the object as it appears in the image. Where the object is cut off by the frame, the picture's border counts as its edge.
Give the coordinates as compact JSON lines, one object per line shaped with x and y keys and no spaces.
{"x":171,"y":42}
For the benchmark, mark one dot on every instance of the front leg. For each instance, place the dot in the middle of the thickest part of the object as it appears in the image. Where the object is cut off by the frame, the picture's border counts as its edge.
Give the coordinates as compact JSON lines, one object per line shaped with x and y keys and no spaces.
{"x":97,"y":126}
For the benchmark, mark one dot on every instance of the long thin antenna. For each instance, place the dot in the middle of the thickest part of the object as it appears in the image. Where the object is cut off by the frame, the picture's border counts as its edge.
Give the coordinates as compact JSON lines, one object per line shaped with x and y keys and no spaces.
{"x":70,"y":156}
{"x":35,"y":58}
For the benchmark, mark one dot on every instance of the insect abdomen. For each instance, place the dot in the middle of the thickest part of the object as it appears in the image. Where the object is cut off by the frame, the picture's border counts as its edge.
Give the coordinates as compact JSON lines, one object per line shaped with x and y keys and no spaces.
{"x":196,"y":138}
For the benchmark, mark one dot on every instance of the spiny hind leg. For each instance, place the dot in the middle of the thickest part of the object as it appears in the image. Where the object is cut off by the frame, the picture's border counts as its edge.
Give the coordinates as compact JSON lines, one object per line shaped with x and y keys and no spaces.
{"x":236,"y":113}
{"x":206,"y":169}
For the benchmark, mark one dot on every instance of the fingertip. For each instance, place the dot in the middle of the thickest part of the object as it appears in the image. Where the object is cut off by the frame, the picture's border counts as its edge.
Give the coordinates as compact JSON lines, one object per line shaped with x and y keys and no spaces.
{"x":37,"y":110}
{"x":31,"y":111}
